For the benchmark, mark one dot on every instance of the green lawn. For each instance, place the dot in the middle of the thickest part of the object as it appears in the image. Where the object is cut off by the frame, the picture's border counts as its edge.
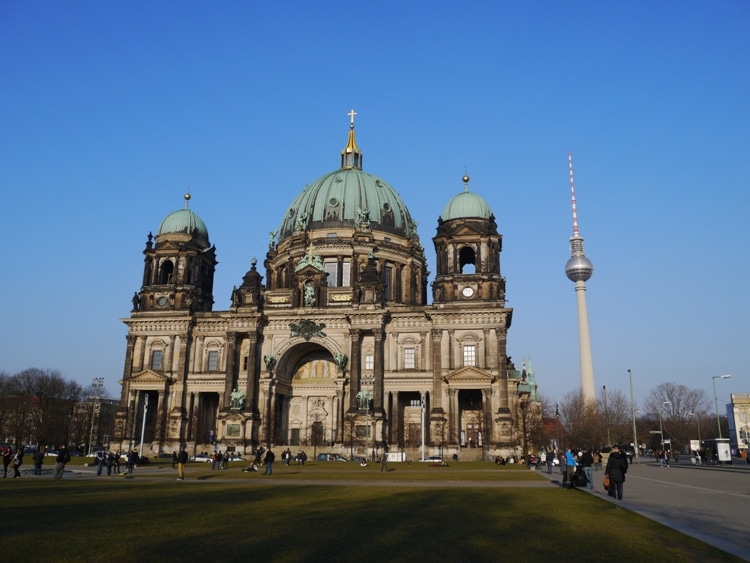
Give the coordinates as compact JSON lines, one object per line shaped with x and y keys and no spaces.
{"x":232,"y":516}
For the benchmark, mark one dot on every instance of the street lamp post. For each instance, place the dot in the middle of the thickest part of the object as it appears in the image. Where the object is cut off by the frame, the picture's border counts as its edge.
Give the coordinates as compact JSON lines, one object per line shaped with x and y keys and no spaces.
{"x":632,"y":407}
{"x":661,"y":427}
{"x":606,"y":412}
{"x":716,"y":399}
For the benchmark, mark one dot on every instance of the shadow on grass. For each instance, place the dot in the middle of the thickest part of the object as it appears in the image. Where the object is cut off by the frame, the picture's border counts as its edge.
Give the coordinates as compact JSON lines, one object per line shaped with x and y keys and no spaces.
{"x":179,"y":522}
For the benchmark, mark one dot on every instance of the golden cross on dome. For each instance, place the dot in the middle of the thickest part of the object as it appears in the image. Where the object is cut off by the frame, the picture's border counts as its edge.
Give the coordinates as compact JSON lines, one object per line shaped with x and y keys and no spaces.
{"x":351,"y":114}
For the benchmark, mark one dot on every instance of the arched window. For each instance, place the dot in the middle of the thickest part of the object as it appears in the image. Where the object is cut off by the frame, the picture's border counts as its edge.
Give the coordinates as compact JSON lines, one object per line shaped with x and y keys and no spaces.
{"x":467,"y":260}
{"x":166,"y":271}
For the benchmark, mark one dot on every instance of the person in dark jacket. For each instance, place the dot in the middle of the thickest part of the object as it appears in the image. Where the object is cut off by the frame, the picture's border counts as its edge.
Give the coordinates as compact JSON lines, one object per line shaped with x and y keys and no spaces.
{"x":587,"y":461}
{"x":268,"y":460}
{"x":38,"y":458}
{"x":617,"y":467}
{"x":63,"y":457}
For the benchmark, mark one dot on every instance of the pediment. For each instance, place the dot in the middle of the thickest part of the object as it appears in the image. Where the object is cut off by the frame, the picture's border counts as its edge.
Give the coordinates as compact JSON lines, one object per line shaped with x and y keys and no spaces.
{"x":469,"y":376}
{"x":468,"y":230}
{"x":150,"y":377}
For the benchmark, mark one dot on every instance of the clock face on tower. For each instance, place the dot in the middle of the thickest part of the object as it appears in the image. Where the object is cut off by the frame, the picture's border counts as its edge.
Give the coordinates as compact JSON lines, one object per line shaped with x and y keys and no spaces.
{"x":467,"y":292}
{"x":161,"y":301}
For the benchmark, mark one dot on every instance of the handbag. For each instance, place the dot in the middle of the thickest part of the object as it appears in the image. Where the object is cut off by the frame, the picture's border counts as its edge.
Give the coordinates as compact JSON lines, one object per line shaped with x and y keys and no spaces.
{"x":606,"y":483}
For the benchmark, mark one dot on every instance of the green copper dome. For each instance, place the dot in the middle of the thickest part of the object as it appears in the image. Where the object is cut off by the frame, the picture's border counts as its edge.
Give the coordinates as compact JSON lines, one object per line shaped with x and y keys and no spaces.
{"x":183,"y":221}
{"x":466,"y":205}
{"x":348,"y":197}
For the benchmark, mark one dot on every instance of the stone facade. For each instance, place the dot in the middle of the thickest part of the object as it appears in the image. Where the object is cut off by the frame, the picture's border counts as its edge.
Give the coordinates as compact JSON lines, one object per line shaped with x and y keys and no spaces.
{"x":338,"y":349}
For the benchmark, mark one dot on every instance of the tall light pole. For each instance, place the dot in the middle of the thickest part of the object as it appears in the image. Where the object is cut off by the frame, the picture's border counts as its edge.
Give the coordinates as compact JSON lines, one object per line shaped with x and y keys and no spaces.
{"x":606,"y":412}
{"x":716,"y":400}
{"x":632,"y":406}
{"x":661,"y":427}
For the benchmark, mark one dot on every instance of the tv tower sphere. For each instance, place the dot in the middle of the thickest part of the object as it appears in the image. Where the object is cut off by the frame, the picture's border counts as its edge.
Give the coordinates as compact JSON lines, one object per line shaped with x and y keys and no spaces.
{"x":579,"y":268}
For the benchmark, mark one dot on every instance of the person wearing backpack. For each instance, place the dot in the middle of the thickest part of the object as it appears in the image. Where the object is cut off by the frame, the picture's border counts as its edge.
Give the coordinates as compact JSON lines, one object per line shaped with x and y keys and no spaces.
{"x":63,"y":457}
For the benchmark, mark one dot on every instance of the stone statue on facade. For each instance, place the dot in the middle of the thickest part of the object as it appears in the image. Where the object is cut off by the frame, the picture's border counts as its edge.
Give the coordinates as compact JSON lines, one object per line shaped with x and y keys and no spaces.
{"x":270,"y":362}
{"x":237,"y":399}
{"x":341,"y":361}
{"x":309,"y":294}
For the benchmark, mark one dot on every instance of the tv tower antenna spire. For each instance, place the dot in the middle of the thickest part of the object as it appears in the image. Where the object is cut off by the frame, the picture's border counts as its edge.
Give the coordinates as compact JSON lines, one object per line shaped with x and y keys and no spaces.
{"x":579,"y":269}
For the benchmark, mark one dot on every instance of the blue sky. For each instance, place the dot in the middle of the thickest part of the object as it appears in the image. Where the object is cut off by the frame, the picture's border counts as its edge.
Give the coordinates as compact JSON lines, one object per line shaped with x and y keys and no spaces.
{"x":111,"y":111}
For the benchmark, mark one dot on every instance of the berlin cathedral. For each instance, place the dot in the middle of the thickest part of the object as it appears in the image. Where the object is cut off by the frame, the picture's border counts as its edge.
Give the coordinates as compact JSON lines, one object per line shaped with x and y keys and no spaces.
{"x":337,"y":346}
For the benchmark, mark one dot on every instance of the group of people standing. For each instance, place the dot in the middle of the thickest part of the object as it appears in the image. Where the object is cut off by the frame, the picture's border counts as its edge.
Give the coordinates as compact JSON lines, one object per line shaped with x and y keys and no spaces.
{"x":589,"y":461}
{"x":110,"y":460}
{"x":15,"y":460}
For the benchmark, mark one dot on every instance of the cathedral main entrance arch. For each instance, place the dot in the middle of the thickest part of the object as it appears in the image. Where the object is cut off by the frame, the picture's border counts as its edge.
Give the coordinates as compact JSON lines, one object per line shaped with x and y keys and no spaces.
{"x":309,"y":398}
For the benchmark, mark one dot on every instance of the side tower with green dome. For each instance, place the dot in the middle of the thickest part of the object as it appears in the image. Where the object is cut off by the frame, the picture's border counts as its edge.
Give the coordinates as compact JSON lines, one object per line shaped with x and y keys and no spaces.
{"x":178,"y":273}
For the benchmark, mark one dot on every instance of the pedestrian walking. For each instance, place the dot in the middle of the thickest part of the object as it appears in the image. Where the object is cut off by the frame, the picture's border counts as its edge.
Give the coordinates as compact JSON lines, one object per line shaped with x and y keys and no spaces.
{"x":617,"y":467}
{"x":384,"y":462}
{"x":182,"y":459}
{"x":570,"y":468}
{"x":587,"y":461}
{"x":7,"y":458}
{"x":63,"y":457}
{"x":17,"y":461}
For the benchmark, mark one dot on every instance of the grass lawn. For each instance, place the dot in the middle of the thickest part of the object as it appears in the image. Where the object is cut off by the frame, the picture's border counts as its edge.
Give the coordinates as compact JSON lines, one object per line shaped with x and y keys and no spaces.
{"x":427,"y":513}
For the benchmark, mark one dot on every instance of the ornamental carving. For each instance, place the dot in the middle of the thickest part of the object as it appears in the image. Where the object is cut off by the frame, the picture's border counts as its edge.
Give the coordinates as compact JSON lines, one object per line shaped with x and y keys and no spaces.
{"x":307,"y":329}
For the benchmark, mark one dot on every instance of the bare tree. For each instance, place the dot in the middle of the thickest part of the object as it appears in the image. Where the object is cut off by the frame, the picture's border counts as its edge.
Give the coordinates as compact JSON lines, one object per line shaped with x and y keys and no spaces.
{"x":616,"y":416}
{"x":35,"y":406}
{"x":582,"y":421}
{"x":678,"y":406}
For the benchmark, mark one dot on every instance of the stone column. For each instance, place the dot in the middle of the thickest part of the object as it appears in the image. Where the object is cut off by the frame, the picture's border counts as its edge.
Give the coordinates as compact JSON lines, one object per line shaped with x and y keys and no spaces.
{"x":252,"y":373}
{"x":379,"y":371}
{"x":502,"y":371}
{"x":452,"y":351}
{"x":161,"y":418}
{"x":437,"y":372}
{"x":453,"y":416}
{"x":231,"y":355}
{"x":271,"y":415}
{"x":338,"y":418}
{"x":128,"y":369}
{"x":355,"y":369}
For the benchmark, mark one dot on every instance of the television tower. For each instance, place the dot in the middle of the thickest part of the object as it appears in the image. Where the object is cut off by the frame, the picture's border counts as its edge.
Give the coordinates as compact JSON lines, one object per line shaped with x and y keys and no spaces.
{"x":579,"y":270}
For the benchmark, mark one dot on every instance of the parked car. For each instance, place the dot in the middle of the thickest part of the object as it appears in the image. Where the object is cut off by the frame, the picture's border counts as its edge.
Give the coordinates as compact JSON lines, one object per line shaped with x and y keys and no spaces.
{"x":331,"y":457}
{"x":207,"y":457}
{"x":433,"y":459}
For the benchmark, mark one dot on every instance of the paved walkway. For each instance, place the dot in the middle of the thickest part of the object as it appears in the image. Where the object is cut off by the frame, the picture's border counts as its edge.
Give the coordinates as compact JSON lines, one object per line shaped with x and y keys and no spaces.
{"x":709,"y":503}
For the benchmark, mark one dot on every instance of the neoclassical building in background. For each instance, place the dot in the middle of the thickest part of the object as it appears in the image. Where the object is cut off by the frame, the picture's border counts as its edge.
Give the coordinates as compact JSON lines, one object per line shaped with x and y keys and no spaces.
{"x":336,"y":346}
